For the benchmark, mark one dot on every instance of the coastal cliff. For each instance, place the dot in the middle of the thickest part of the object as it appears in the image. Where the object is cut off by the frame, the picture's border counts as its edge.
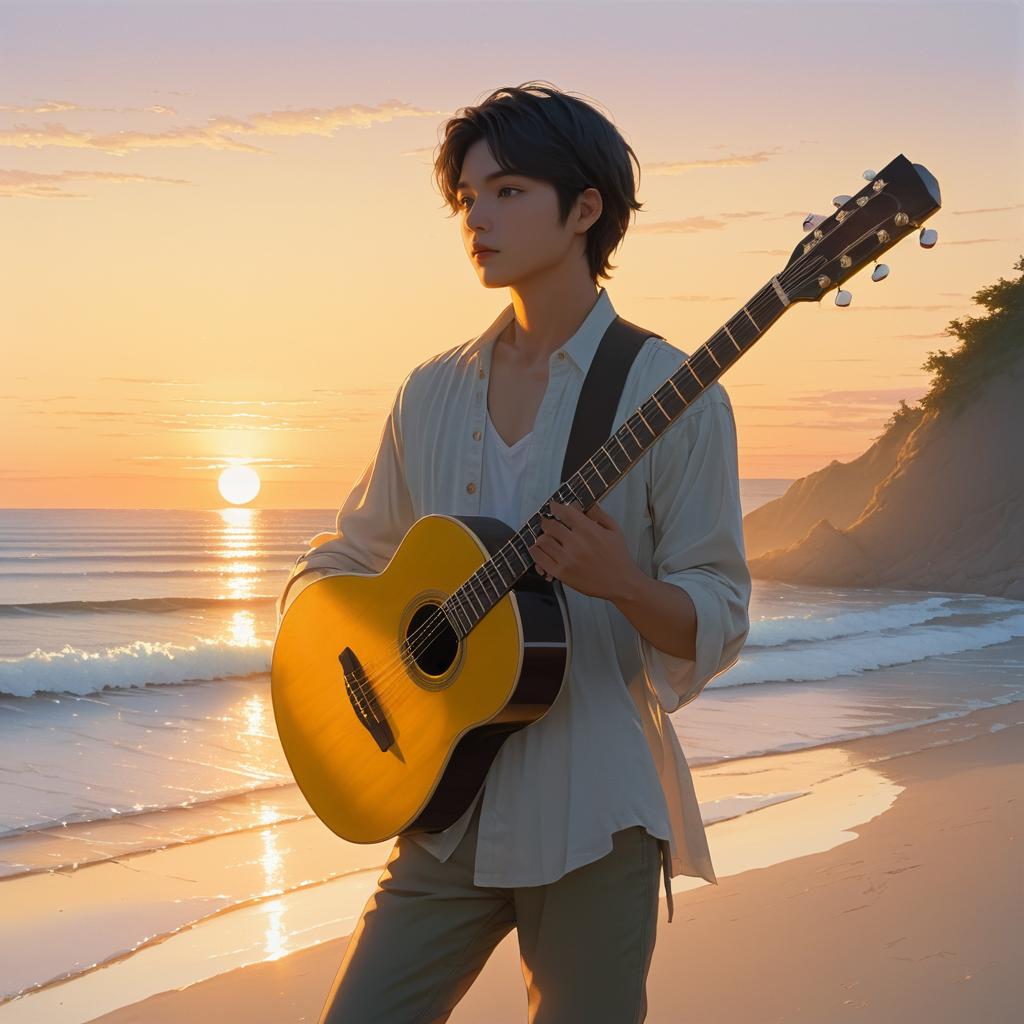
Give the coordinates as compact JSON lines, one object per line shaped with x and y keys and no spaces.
{"x":937,"y":502}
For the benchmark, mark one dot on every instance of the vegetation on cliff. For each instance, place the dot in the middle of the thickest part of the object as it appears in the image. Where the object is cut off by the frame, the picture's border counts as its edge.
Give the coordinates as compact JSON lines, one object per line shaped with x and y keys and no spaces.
{"x":988,"y":345}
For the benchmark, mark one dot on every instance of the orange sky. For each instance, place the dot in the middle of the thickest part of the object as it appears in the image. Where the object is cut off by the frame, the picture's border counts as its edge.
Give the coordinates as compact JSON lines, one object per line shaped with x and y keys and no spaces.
{"x":222,"y":242}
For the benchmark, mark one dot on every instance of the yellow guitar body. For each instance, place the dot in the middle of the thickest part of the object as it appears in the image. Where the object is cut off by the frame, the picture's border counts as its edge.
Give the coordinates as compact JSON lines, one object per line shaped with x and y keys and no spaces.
{"x":367,"y":794}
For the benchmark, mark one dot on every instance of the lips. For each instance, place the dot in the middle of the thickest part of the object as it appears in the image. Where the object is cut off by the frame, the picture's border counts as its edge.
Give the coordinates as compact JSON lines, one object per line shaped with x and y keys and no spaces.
{"x":482,"y":248}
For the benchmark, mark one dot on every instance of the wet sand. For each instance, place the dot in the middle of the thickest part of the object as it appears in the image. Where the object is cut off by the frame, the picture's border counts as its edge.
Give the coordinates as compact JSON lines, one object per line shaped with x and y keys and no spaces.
{"x":911,"y":915}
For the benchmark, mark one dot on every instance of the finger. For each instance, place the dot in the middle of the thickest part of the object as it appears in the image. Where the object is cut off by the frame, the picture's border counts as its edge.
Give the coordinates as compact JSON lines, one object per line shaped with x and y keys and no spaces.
{"x":572,"y":512}
{"x":544,"y":565}
{"x":558,"y":531}
{"x":552,"y":546}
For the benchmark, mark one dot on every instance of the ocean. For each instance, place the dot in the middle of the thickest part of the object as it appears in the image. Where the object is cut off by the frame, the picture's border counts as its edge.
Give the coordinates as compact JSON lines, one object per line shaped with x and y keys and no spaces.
{"x":135,"y":721}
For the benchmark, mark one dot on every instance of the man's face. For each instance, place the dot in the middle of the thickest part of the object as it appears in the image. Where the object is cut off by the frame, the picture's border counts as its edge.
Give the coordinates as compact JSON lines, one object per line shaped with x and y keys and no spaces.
{"x":515,"y":215}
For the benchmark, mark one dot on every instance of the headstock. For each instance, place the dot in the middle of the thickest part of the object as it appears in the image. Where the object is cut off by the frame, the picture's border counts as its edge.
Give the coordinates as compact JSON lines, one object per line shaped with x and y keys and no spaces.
{"x":896,"y":200}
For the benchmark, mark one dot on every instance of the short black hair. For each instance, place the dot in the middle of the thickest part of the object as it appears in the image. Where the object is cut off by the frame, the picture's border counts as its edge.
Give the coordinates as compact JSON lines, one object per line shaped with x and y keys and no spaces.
{"x":537,"y":130}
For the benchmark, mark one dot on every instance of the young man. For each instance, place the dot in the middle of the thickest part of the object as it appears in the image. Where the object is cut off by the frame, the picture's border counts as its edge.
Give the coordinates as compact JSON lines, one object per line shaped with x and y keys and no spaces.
{"x":563,"y":840}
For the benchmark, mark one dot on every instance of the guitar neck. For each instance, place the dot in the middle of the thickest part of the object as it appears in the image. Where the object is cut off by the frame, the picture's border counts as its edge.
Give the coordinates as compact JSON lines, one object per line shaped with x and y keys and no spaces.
{"x":616,"y":457}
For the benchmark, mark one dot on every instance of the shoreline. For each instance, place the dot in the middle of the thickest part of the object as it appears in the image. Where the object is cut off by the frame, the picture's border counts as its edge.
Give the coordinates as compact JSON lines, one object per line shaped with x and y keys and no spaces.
{"x":942,"y":822}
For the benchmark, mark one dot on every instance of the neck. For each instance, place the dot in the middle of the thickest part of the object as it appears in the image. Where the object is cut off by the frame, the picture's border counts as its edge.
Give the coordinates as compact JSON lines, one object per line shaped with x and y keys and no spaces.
{"x":549,"y":311}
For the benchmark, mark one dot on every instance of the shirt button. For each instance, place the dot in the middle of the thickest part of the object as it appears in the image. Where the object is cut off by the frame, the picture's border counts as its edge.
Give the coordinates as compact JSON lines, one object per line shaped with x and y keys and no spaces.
{"x":481,"y":372}
{"x":561,"y":355}
{"x":477,"y":435}
{"x":471,"y":487}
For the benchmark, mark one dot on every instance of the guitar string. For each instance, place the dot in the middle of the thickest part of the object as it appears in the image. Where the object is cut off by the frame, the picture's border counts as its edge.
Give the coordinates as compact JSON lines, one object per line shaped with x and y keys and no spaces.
{"x":425,"y":634}
{"x":384,"y":677}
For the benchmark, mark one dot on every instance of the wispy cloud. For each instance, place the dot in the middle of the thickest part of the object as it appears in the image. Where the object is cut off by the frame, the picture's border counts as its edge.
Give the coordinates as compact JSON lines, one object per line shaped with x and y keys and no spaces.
{"x":986,"y":209}
{"x":153,"y":380}
{"x":205,"y":422}
{"x":917,"y":309}
{"x":40,"y":185}
{"x":688,"y":297}
{"x":971,"y":241}
{"x":853,"y":409}
{"x":67,"y":106}
{"x":259,"y":402}
{"x":360,"y":392}
{"x":857,"y":421}
{"x":861,"y":396}
{"x":687,"y":226}
{"x":733,"y":160}
{"x":217,"y":132}
{"x":196,"y":463}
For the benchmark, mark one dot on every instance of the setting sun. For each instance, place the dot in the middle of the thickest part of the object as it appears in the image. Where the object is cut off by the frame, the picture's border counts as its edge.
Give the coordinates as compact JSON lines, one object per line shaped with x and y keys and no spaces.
{"x":239,"y":484}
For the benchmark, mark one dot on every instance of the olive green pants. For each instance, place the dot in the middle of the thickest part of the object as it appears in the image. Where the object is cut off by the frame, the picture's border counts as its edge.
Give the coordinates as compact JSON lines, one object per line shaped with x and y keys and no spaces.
{"x":585,"y":940}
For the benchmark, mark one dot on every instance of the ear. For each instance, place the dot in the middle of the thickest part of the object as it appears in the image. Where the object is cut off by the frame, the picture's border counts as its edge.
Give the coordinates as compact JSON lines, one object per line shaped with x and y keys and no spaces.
{"x":589,"y":206}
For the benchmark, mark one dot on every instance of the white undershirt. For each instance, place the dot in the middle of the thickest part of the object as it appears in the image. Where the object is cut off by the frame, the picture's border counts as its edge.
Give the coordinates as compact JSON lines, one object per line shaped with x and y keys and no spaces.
{"x":502,"y":477}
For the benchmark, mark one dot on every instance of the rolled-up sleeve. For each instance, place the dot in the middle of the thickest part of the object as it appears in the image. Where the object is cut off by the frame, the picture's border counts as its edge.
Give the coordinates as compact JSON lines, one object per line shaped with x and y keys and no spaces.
{"x":372,"y":521}
{"x":698,"y":546}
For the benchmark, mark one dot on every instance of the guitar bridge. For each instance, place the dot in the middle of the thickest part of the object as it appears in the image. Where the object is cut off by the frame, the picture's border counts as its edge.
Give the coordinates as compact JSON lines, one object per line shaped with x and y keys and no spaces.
{"x":364,"y":701}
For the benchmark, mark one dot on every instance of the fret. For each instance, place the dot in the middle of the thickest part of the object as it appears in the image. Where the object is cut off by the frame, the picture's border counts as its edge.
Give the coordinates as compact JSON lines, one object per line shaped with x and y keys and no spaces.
{"x":689,"y":368}
{"x":463,"y":617}
{"x":595,"y":478}
{"x":677,"y":391}
{"x":473,"y":594}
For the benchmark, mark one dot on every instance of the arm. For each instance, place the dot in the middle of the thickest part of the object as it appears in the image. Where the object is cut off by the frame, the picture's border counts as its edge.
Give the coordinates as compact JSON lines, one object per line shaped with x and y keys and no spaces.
{"x":662,"y":613}
{"x":372,"y":521}
{"x":687,"y":640}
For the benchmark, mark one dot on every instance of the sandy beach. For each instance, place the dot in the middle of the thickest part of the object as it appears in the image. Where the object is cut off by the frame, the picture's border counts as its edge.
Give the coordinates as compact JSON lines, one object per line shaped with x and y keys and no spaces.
{"x":908,"y":916}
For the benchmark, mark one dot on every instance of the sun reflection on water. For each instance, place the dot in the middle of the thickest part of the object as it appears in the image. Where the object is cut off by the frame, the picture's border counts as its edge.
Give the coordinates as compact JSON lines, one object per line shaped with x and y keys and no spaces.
{"x":275,"y":938}
{"x":237,"y":538}
{"x":242,"y":630}
{"x":254,"y":714}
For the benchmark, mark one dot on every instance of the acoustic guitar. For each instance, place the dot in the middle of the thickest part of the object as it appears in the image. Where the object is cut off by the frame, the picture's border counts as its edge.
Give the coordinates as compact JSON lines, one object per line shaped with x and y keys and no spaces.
{"x":393,"y":692}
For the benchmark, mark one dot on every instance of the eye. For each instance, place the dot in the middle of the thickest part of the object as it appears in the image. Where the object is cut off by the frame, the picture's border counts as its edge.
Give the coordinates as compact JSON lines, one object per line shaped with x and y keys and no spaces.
{"x":462,"y":199}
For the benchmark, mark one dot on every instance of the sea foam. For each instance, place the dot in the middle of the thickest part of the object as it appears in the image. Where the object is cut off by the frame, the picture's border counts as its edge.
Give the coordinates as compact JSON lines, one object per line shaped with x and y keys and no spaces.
{"x":72,"y":670}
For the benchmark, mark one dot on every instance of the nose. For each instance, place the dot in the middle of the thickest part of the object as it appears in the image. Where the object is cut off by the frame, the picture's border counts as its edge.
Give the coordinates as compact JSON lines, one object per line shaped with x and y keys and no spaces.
{"x":476,"y":218}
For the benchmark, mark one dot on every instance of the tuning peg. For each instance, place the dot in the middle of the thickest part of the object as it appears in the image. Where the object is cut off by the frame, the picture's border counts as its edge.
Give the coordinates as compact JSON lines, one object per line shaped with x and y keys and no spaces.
{"x":840,"y":201}
{"x":812,"y":220}
{"x":880,"y":273}
{"x":843,"y":297}
{"x":928,"y":237}
{"x":869,"y":175}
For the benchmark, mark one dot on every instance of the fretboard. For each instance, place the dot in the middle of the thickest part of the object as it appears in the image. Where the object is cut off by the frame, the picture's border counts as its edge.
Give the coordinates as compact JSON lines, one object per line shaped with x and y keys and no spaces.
{"x":467,"y":605}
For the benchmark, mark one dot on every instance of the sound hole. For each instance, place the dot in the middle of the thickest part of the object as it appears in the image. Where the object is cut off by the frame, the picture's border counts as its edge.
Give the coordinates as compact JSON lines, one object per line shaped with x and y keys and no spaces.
{"x":431,"y":640}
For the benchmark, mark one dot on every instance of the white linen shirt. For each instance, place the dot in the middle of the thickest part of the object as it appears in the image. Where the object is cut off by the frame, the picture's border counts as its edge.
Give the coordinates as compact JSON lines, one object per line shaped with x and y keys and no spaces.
{"x":605,"y":756}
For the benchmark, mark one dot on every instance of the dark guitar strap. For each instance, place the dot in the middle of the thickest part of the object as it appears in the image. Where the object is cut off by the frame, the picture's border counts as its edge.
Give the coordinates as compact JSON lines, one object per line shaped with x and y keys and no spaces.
{"x":594,"y":420}
{"x":592,"y":425}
